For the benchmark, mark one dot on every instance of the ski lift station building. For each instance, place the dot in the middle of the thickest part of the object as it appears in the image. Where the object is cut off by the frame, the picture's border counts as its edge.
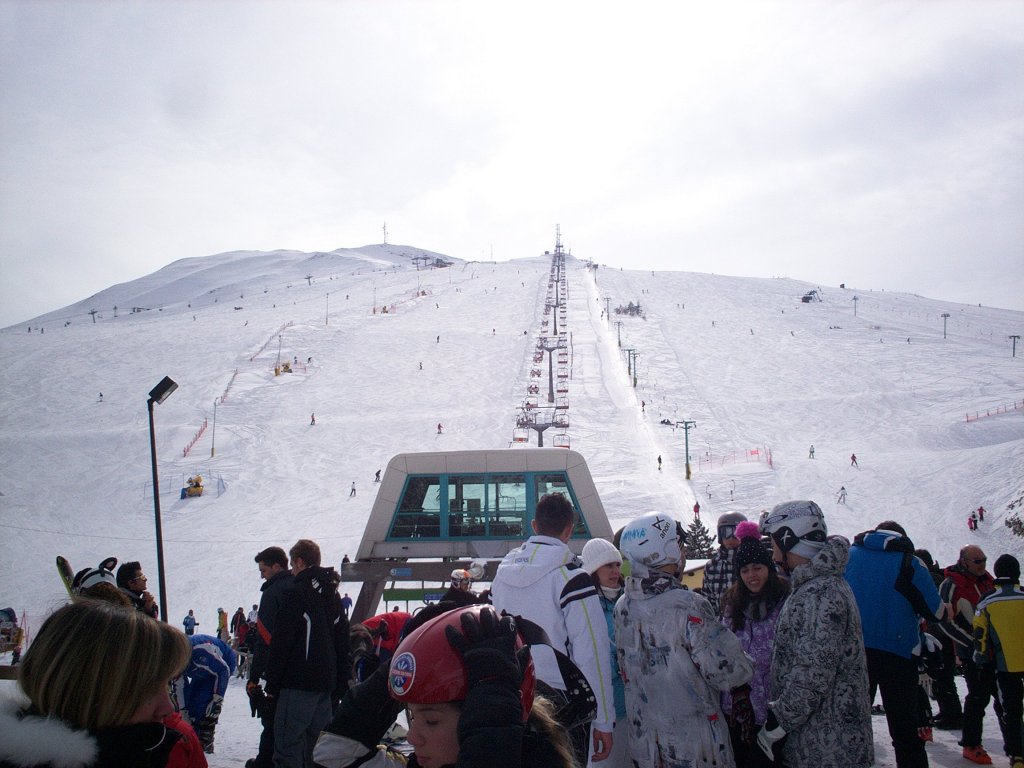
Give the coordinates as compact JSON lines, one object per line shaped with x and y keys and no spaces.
{"x":442,"y":510}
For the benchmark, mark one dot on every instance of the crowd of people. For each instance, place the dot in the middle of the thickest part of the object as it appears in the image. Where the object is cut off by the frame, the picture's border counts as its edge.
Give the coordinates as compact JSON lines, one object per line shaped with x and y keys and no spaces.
{"x":600,"y":660}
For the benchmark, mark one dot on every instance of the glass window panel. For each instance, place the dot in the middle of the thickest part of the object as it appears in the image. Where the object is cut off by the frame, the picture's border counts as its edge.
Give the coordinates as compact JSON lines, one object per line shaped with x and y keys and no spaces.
{"x":466,"y":505}
{"x":507,"y":505}
{"x":557,"y":482}
{"x":419,"y":511}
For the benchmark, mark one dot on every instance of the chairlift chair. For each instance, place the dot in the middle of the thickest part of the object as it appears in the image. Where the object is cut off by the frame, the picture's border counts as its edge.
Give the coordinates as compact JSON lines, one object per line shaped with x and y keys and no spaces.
{"x":561,"y":440}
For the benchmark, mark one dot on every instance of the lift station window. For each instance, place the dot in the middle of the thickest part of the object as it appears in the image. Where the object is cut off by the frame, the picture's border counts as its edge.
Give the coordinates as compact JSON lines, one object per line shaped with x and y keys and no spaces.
{"x":477,"y":505}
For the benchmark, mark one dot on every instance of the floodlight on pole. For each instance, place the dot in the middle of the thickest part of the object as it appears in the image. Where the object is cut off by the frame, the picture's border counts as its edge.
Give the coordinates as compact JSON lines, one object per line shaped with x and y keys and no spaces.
{"x":945,"y":317}
{"x":855,"y":299}
{"x":157,"y":395}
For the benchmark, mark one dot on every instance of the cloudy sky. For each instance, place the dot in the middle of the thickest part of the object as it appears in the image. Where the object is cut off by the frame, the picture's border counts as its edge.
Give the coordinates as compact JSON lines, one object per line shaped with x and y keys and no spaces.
{"x":876,"y":144}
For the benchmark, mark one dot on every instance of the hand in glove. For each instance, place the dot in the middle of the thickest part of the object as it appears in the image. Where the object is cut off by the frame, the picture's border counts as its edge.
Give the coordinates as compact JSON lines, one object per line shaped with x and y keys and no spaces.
{"x":770,"y":740}
{"x":256,"y":696}
{"x":742,"y":716}
{"x":208,"y":722}
{"x":488,"y":648}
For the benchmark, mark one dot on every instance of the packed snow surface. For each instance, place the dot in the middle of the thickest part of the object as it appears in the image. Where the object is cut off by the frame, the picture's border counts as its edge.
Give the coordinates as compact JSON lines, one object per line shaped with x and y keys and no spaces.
{"x":763,"y":376}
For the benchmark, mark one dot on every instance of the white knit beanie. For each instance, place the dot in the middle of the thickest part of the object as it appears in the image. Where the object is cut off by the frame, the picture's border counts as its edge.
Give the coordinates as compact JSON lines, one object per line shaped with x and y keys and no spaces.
{"x":598,"y":552}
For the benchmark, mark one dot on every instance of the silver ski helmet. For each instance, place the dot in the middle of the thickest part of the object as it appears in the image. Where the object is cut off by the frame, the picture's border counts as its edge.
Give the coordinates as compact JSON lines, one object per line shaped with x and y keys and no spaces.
{"x":653,"y":540}
{"x":460,"y":577}
{"x":727,"y":525}
{"x":797,"y":527}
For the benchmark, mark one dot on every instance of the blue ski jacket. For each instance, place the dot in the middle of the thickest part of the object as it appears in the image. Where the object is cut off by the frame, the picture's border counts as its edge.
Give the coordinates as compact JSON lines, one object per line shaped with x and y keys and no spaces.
{"x":893,"y":588}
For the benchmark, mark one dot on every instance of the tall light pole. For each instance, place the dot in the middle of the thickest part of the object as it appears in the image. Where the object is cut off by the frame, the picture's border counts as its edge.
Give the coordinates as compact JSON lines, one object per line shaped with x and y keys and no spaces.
{"x":157,"y":395}
{"x":687,"y":425}
{"x":855,"y":300}
{"x":1014,"y":340}
{"x":945,"y":316}
{"x":619,"y":324}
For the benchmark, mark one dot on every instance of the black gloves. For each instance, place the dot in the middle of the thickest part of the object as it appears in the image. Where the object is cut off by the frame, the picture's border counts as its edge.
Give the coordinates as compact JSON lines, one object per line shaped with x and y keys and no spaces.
{"x":259,"y":702}
{"x":367,"y":710}
{"x":742,"y":716}
{"x":488,"y":648}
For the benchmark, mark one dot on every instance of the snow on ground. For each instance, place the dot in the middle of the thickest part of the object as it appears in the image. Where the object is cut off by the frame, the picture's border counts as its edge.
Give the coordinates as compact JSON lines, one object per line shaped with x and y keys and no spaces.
{"x":755,"y":368}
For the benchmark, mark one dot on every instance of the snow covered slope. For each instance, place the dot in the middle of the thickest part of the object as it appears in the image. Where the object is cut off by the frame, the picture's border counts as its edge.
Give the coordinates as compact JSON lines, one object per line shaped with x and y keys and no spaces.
{"x":755,"y":368}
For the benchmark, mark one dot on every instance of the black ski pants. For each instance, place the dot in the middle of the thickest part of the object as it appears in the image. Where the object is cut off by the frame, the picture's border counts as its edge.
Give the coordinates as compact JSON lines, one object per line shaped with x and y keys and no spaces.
{"x":981,"y":686}
{"x":897,"y":679}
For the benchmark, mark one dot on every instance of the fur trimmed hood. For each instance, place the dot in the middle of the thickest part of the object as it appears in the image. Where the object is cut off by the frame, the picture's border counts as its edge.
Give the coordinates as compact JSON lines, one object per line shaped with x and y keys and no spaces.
{"x":32,"y":740}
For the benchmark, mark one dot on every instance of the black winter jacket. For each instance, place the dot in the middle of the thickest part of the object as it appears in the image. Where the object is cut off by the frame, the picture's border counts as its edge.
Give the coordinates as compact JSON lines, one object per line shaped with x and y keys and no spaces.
{"x":309,"y":650}
{"x":273,"y":590}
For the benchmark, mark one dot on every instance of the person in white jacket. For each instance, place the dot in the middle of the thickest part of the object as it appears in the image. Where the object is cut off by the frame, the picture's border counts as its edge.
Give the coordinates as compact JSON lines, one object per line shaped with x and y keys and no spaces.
{"x":542,"y":581}
{"x":675,"y":656}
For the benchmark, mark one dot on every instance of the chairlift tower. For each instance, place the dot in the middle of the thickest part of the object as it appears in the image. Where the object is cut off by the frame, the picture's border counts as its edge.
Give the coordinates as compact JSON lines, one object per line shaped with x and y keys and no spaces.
{"x":549,"y":348}
{"x":687,"y":425}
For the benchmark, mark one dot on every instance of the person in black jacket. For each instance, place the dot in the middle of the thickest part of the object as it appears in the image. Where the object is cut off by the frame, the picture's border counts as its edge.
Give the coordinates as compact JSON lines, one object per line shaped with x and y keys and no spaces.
{"x":273,"y":565}
{"x":308,"y":666}
{"x":132,"y":582}
{"x":467,"y":682}
{"x":459,"y":592}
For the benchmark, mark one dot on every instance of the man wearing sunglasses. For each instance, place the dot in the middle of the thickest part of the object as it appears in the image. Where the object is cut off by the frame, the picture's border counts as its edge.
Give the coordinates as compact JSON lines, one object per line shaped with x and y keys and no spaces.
{"x":963,"y":588}
{"x":132,"y":582}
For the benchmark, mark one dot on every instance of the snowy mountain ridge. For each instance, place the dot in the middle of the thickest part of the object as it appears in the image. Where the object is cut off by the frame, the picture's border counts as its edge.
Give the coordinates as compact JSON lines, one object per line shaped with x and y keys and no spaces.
{"x":198,"y":281}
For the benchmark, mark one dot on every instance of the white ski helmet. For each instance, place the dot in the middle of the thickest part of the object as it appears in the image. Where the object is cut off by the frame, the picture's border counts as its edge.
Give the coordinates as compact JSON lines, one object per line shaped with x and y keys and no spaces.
{"x":653,"y":540}
{"x":797,"y":527}
{"x":461,"y":576}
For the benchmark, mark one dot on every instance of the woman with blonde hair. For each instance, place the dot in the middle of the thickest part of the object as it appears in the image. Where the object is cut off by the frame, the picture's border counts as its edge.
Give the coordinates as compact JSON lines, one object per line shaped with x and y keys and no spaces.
{"x":95,"y":679}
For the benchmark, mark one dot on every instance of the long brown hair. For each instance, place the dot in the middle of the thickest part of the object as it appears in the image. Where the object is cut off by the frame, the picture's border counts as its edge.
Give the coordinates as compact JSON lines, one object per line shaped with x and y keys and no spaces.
{"x":738,"y":598}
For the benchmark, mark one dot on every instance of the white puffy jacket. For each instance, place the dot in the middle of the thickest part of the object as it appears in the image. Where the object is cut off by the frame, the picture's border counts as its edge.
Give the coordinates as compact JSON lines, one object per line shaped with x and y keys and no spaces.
{"x":542,"y":581}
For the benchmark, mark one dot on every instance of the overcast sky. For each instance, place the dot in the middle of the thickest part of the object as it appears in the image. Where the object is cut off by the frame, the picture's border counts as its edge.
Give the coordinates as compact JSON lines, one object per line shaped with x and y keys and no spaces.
{"x":876,"y":144}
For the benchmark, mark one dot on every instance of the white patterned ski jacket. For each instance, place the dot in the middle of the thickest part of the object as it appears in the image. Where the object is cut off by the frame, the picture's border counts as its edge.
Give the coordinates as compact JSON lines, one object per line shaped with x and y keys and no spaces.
{"x":819,"y":677}
{"x":676,"y":659}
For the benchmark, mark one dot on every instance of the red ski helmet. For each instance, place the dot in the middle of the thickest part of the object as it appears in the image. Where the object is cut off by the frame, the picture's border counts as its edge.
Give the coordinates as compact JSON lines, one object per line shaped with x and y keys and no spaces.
{"x":427,"y":670}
